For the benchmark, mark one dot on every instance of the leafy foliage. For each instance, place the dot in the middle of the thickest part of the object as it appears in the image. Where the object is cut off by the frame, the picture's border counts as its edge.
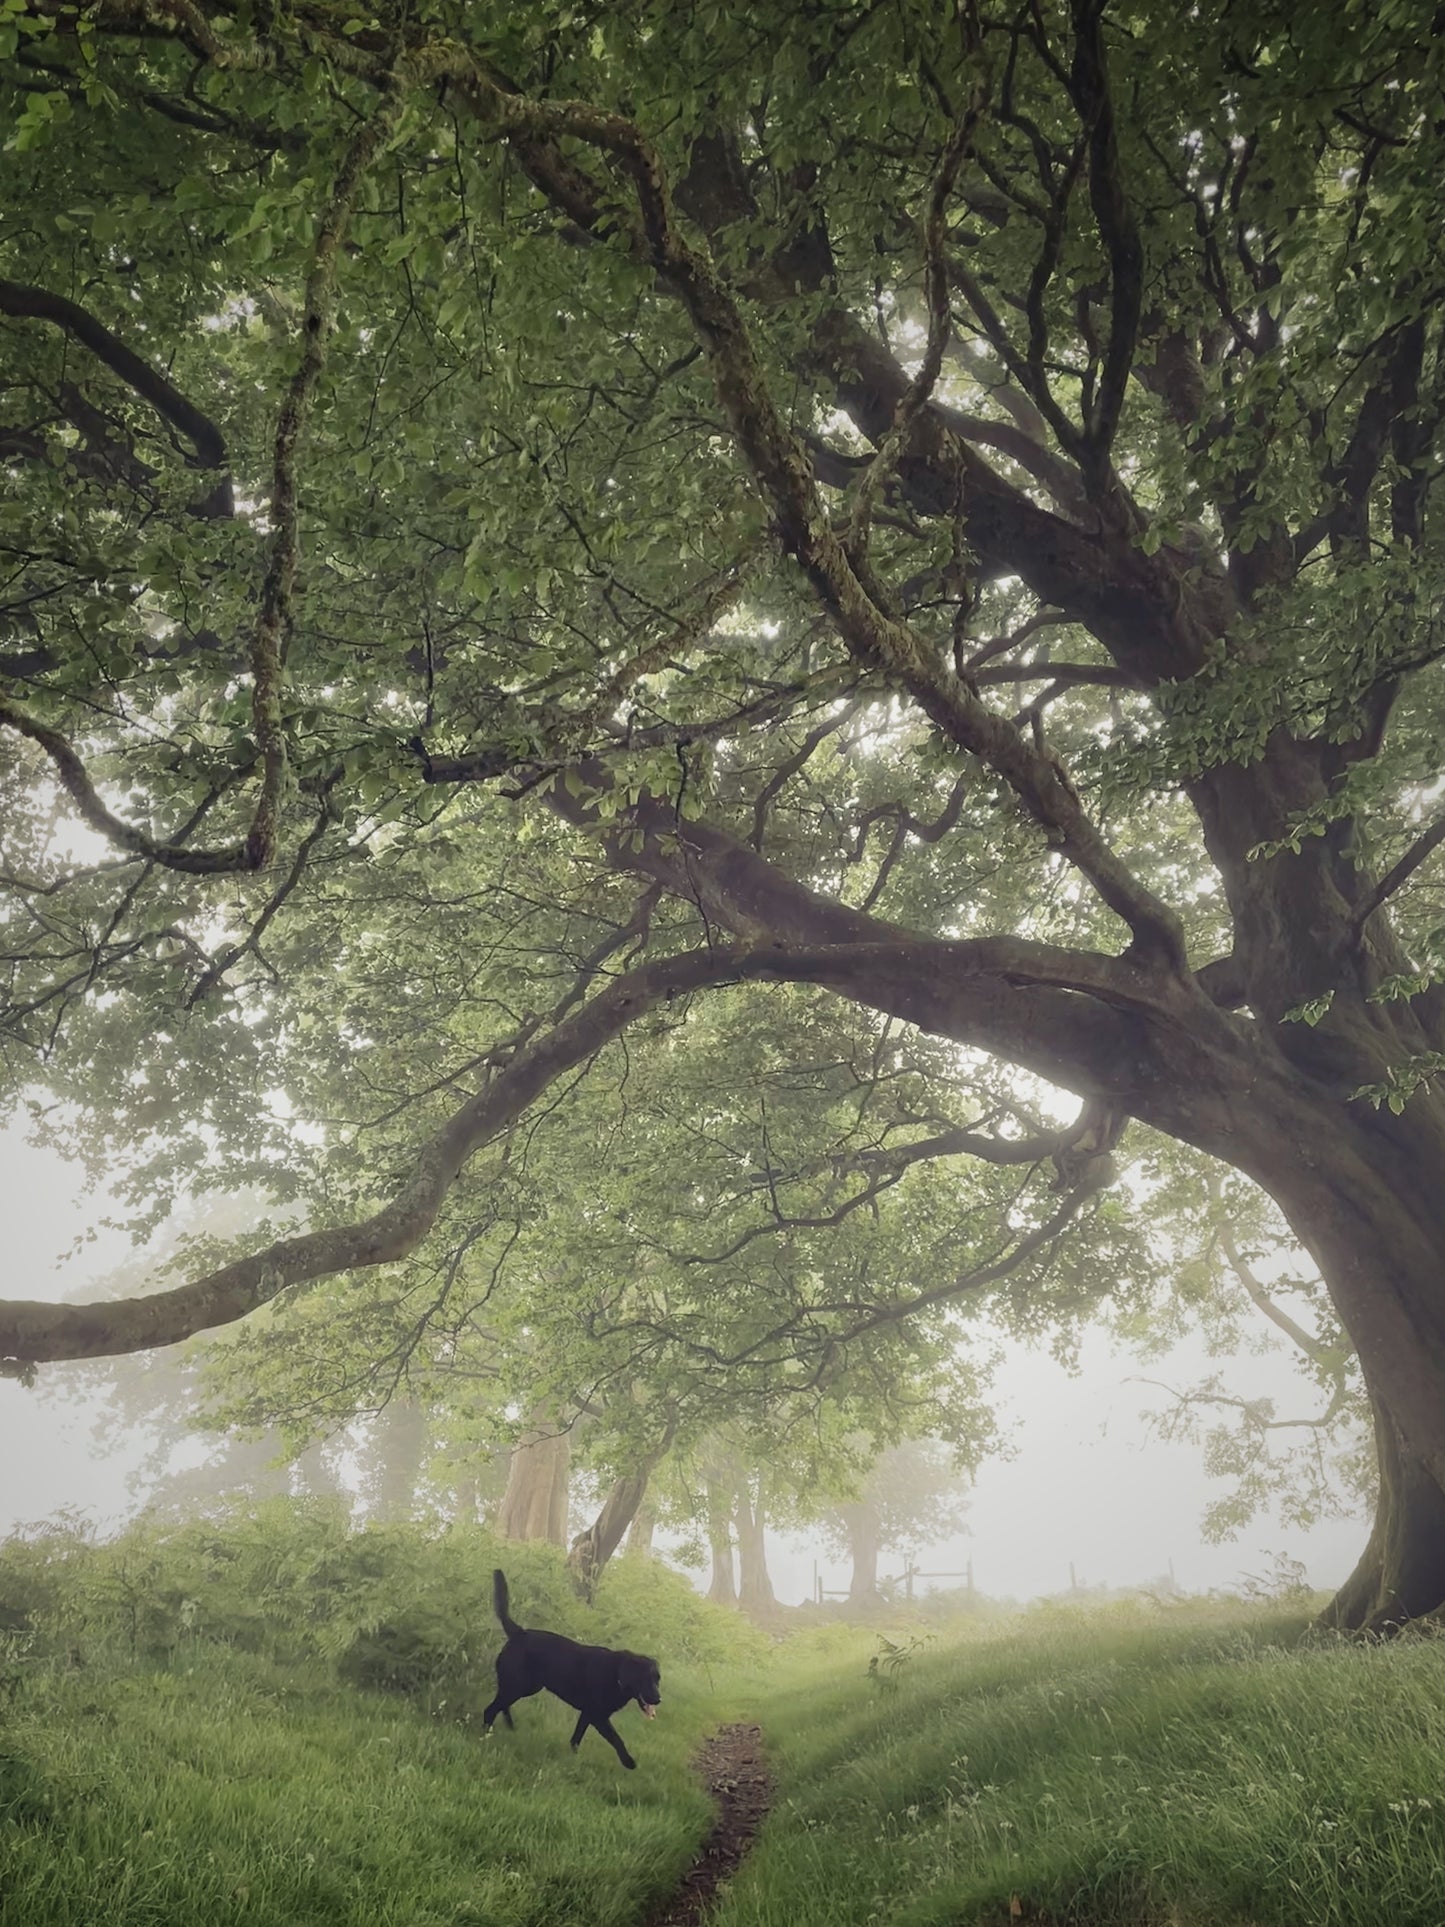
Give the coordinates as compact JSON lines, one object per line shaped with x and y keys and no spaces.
{"x":624,"y":628}
{"x":400,"y":1608}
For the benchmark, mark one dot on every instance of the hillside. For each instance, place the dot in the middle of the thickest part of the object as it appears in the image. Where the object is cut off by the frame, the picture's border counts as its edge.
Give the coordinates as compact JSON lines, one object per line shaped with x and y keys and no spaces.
{"x":276,"y":1722}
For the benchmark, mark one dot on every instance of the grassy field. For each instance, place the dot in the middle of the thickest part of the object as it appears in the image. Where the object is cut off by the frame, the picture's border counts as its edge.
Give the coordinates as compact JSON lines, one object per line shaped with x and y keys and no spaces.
{"x":1189,"y":1767}
{"x":1208,"y":1768}
{"x":236,"y":1790}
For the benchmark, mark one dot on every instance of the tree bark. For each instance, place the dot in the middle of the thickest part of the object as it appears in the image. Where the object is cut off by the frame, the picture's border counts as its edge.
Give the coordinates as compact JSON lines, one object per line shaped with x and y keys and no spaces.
{"x":1401,"y":1573}
{"x":862,"y":1526}
{"x":755,"y":1588}
{"x":640,"y":1532}
{"x":534,"y":1505}
{"x":722,"y":1587}
{"x":592,"y":1549}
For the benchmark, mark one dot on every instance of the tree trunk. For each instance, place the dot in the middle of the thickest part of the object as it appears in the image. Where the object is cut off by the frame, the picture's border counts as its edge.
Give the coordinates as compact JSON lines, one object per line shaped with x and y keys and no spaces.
{"x":722,"y":1587}
{"x":639,"y":1533}
{"x":1377,"y":1237}
{"x":755,"y":1588}
{"x":1401,"y":1573}
{"x":534,"y":1505}
{"x":862,"y":1525}
{"x":593,"y":1548}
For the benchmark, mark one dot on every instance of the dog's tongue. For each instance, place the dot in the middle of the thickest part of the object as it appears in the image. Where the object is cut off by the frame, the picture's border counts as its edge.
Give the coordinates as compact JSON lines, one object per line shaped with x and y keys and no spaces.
{"x":648,"y":1712}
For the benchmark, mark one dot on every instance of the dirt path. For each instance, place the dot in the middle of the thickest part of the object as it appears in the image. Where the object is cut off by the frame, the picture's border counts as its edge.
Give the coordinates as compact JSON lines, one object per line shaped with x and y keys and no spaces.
{"x":730,"y":1765}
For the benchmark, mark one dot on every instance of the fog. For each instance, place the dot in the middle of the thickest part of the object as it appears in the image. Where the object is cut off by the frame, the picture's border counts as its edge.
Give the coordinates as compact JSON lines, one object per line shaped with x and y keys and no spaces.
{"x":1090,"y":1486}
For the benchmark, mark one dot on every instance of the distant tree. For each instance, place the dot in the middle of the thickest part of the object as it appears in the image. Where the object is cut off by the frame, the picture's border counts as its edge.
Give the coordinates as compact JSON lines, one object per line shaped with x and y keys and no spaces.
{"x":621,"y":1504}
{"x":750,"y":1496}
{"x":910,"y":1497}
{"x":534,"y":1504}
{"x":394,"y":1459}
{"x":719,"y":1485}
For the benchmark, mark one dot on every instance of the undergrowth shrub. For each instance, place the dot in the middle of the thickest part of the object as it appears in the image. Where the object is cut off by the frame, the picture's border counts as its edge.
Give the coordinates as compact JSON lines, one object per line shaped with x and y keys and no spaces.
{"x":404,"y":1608}
{"x":648,"y":1606}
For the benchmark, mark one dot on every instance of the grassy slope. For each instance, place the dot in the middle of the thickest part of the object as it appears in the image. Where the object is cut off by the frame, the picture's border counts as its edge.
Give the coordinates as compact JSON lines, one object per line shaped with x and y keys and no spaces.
{"x":1199,"y":1771}
{"x":1202,"y":1771}
{"x":242,"y":1791}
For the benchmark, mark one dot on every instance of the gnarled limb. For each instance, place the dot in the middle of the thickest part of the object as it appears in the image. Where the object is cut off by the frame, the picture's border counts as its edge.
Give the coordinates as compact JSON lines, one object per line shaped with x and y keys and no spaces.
{"x":954,"y":986}
{"x":138,"y":375}
{"x":779,"y":462}
{"x":32,"y":1332}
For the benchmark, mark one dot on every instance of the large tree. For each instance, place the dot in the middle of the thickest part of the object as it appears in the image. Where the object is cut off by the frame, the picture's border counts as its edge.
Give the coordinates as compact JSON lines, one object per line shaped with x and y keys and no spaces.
{"x":517,"y":519}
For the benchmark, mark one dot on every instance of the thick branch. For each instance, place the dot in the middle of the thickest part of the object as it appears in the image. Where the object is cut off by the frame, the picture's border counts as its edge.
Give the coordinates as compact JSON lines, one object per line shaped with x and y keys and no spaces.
{"x":935,"y":288}
{"x":780,"y":464}
{"x":132,"y":369}
{"x":75,"y":781}
{"x":32,"y":1331}
{"x":1151,"y":620}
{"x":1117,"y":229}
{"x":1401,"y":872}
{"x":1038,"y":460}
{"x":964,"y":989}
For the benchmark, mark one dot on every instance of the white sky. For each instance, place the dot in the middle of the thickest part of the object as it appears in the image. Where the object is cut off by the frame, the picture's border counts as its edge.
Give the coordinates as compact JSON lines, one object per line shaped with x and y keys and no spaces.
{"x":1093,"y":1485}
{"x":1089,"y":1484}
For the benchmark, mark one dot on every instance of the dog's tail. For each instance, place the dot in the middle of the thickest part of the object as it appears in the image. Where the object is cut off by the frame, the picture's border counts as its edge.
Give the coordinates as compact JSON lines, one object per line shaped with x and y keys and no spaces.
{"x":501,"y":1602}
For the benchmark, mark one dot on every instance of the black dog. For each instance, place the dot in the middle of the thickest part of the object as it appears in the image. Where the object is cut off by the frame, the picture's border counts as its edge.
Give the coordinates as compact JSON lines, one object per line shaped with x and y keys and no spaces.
{"x":594,"y":1679}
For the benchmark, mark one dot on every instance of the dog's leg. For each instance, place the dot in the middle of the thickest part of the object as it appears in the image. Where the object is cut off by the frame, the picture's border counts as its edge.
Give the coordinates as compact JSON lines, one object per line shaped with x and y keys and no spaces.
{"x":497,"y":1706}
{"x":614,"y":1739}
{"x":583,"y":1722}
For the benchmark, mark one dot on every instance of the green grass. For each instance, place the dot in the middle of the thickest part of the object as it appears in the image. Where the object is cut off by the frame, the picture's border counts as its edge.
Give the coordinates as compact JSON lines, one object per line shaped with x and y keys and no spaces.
{"x":1204,"y":1768}
{"x":1203,"y":1771}
{"x":237,"y":1790}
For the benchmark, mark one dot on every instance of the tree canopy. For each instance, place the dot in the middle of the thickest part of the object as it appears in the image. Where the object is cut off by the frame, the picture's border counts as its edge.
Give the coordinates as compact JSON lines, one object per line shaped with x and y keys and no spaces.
{"x":629,"y":636}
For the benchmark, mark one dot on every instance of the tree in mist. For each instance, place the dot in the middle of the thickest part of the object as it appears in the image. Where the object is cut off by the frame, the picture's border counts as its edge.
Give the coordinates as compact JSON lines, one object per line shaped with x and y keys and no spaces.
{"x":890,"y":553}
{"x":911,"y":1497}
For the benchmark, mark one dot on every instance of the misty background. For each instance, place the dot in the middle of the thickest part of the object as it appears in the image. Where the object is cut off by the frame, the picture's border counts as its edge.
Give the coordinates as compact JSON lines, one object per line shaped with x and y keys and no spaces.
{"x":1091,"y":1495}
